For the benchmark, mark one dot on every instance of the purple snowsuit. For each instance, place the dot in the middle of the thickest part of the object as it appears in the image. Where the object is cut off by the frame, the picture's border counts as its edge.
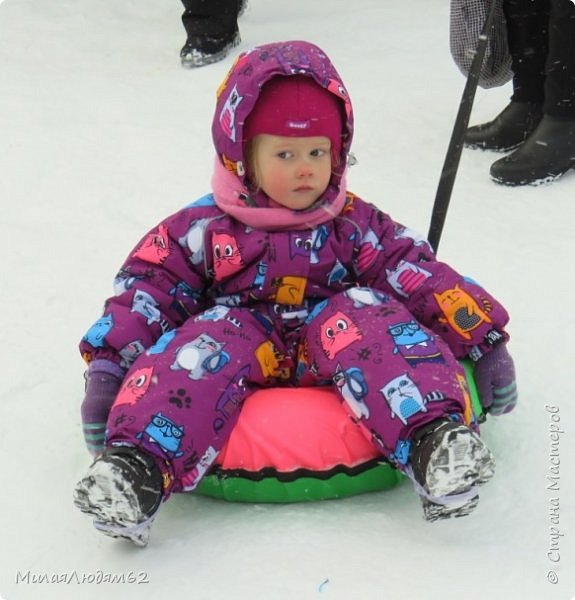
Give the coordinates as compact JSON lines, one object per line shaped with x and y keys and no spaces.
{"x":208,"y":308}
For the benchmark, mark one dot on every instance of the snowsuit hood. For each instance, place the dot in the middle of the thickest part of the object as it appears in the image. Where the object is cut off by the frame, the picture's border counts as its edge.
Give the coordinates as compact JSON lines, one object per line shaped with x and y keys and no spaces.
{"x":236,"y":98}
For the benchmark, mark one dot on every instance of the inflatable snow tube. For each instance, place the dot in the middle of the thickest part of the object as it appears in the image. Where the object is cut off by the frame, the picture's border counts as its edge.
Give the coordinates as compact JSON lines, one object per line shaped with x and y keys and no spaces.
{"x":325,"y":456}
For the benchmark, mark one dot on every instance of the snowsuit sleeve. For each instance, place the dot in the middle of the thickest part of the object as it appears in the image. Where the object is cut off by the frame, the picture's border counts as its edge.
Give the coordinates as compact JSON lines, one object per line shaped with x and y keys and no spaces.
{"x":394,"y":259}
{"x":160,"y":285}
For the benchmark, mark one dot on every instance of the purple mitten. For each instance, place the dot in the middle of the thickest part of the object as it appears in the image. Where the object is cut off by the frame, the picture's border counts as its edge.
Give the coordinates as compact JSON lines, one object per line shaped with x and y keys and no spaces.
{"x":103,"y":381}
{"x":495,"y":379}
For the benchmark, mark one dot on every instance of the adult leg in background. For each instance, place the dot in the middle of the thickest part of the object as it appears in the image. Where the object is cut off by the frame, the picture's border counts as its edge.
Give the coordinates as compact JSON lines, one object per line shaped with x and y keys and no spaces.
{"x":549,"y":151}
{"x":527,"y":35}
{"x":211,"y":29}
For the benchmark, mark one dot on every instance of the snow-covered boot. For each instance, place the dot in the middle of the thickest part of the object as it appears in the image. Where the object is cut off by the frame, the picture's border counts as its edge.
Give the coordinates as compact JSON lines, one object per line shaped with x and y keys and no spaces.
{"x":511,"y":127}
{"x":123,"y":491}
{"x":211,"y":30}
{"x":545,"y":156}
{"x":204,"y":49}
{"x":448,"y":460}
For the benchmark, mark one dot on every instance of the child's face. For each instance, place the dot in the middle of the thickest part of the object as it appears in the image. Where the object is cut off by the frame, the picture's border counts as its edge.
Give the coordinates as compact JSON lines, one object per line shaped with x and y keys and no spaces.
{"x":293,"y":171}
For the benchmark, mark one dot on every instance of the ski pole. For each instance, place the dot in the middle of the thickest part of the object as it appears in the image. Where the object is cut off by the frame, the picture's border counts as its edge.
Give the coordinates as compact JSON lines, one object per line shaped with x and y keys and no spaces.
{"x":453,"y":155}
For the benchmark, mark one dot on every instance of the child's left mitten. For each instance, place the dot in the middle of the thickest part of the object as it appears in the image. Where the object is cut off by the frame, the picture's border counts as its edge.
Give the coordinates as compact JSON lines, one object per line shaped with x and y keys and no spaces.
{"x":495,"y":379}
{"x":103,"y":381}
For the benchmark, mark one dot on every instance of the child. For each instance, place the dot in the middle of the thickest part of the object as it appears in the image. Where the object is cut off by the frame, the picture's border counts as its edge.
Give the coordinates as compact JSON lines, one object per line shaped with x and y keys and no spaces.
{"x":280,"y":277}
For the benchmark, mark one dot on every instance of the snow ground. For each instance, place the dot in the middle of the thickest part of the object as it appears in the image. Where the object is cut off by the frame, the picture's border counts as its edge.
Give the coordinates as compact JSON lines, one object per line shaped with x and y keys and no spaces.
{"x":101,"y":135}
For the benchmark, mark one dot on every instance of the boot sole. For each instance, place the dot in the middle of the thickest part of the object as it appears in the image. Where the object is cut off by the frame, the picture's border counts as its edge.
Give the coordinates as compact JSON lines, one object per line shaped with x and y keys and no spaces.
{"x":484,"y":148}
{"x":106,"y":495}
{"x":460,"y":461}
{"x":195,"y":59}
{"x":533,"y":182}
{"x":435,"y":512}
{"x":138,"y":534}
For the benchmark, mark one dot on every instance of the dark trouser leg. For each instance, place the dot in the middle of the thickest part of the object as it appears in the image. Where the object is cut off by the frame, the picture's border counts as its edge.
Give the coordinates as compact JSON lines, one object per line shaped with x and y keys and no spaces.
{"x":215,"y":18}
{"x":549,"y":152}
{"x":541,"y":41}
{"x":527,"y":33}
{"x":560,"y":66}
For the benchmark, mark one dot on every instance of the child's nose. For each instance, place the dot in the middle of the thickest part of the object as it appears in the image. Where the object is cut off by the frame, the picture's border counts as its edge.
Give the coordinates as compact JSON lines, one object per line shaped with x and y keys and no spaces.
{"x":304,"y":168}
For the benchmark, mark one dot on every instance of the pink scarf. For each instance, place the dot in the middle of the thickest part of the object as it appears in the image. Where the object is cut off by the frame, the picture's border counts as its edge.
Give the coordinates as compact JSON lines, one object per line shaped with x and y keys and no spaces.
{"x":228,"y":192}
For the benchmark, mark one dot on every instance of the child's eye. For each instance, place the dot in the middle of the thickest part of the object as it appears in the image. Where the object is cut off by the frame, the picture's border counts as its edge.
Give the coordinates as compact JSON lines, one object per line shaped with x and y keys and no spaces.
{"x":284,"y":154}
{"x":318,"y":152}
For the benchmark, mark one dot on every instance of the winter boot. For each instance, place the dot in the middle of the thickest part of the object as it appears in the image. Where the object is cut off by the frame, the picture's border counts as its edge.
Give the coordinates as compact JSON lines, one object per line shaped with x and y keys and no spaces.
{"x":212,"y":31}
{"x":548,"y":153}
{"x":448,"y":460}
{"x":203,"y":49}
{"x":122,"y":490}
{"x":509,"y":129}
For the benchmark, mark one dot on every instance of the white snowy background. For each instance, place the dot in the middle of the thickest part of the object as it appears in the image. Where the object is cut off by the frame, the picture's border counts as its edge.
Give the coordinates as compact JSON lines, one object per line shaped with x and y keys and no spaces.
{"x":102,"y":134}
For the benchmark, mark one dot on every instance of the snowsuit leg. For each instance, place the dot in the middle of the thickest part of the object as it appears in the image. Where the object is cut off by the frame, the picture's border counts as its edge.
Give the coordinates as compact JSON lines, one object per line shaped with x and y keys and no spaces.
{"x":393,"y":374}
{"x":182,"y":397}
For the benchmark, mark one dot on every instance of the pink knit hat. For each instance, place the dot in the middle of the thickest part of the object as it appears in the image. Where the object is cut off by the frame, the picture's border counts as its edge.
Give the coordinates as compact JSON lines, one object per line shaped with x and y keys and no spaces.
{"x":296,"y":106}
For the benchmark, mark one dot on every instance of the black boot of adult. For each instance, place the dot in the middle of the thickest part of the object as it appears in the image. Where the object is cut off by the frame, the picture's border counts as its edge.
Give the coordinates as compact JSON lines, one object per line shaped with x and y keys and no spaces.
{"x":212,"y":30}
{"x":548,"y":153}
{"x":510,"y":128}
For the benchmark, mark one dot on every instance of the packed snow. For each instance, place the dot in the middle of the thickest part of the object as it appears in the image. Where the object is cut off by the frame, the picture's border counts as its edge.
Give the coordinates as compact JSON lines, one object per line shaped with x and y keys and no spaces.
{"x":102,"y":134}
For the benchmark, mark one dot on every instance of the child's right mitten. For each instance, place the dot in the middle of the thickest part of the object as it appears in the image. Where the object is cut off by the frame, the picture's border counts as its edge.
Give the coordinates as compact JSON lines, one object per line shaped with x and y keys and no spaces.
{"x":495,"y":379}
{"x":103,"y":381}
